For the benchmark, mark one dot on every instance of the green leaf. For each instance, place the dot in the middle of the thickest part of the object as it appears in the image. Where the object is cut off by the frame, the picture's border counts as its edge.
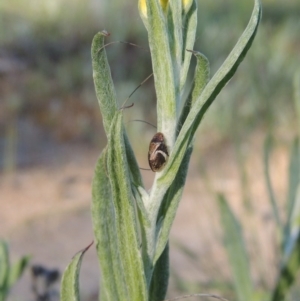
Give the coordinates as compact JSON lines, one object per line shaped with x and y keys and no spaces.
{"x":115,"y":222}
{"x":160,"y":278}
{"x":293,"y":226}
{"x":104,"y":87}
{"x":169,"y":206}
{"x":208,"y":95}
{"x":175,"y":35}
{"x":289,"y":270}
{"x":70,"y":280}
{"x":17,"y":269}
{"x":268,"y":145}
{"x":294,"y":175}
{"x":135,"y":173}
{"x":143,"y":214}
{"x":201,"y":79}
{"x":124,"y":205}
{"x":225,"y":73}
{"x":105,"y":231}
{"x":236,"y":251}
{"x":163,"y":70}
{"x":4,"y":269}
{"x":297,"y":98}
{"x":189,"y":35}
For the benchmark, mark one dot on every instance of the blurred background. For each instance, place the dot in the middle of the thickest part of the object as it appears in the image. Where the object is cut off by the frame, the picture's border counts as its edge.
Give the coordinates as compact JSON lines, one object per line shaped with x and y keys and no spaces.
{"x":51,"y":135}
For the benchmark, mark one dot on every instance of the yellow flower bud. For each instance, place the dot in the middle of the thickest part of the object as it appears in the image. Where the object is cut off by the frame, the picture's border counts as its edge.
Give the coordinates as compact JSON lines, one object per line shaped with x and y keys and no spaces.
{"x":164,"y":4}
{"x":186,"y":4}
{"x":143,"y":6}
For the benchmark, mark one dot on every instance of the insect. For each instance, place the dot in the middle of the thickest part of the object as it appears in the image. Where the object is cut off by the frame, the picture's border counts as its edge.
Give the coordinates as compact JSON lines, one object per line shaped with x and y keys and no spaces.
{"x":158,"y":152}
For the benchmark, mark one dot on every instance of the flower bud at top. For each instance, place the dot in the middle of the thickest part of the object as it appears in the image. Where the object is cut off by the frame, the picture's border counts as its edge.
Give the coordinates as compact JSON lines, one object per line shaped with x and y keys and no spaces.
{"x":186,"y":4}
{"x":143,"y":6}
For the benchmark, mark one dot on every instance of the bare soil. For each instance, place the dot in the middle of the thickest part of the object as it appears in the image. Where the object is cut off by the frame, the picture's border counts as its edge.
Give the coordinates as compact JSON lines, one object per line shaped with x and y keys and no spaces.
{"x":45,"y":212}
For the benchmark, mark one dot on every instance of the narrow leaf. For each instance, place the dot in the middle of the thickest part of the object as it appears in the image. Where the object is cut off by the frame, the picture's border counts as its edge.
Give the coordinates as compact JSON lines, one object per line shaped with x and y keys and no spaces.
{"x":292,"y":227}
{"x":201,"y":78}
{"x":144,"y":218}
{"x":70,"y":280}
{"x":226,"y":71}
{"x":104,"y":87}
{"x":294,"y":174}
{"x":136,"y":176}
{"x":162,"y":64}
{"x":17,"y":269}
{"x":212,"y":89}
{"x":160,"y":278}
{"x":297,"y":98}
{"x":170,"y":204}
{"x":113,"y":211}
{"x":175,"y":33}
{"x":4,"y":269}
{"x":288,"y":272}
{"x":189,"y":35}
{"x":268,"y":145}
{"x":105,"y":230}
{"x":125,"y":210}
{"x":236,"y":251}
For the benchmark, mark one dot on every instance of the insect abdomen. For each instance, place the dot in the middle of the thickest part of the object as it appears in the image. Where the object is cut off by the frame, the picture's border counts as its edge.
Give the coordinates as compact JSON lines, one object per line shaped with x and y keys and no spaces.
{"x":158,"y":152}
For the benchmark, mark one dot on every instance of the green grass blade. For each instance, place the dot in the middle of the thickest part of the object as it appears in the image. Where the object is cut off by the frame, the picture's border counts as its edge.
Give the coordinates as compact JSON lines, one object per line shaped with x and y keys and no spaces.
{"x":297,"y":98}
{"x":17,"y":269}
{"x":268,"y":146}
{"x":4,"y":269}
{"x":70,"y":280}
{"x":104,"y":87}
{"x":293,"y":226}
{"x":236,"y":251}
{"x":294,"y":179}
{"x":289,"y":270}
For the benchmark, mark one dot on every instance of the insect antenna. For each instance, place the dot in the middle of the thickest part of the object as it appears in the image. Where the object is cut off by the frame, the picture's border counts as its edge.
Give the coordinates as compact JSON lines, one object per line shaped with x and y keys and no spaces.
{"x":148,"y":169}
{"x":139,"y":120}
{"x":148,"y":77}
{"x":145,"y":80}
{"x":123,"y":42}
{"x":107,"y":34}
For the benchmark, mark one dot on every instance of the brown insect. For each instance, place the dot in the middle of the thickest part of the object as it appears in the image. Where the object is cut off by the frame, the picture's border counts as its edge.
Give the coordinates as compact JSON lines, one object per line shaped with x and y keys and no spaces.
{"x":158,"y":152}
